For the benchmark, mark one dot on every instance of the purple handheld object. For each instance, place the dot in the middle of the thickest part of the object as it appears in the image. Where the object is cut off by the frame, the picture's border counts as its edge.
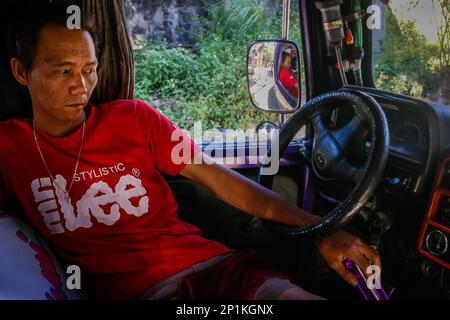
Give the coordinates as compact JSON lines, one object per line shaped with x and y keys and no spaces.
{"x":369,"y":294}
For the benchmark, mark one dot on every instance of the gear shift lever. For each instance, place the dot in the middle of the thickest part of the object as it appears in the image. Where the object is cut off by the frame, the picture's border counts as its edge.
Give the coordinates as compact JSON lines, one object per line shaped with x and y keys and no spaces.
{"x":369,"y":294}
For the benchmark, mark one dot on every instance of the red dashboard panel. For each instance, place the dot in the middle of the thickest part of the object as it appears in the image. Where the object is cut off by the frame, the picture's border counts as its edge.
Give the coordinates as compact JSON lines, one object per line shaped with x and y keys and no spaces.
{"x":434,"y":239}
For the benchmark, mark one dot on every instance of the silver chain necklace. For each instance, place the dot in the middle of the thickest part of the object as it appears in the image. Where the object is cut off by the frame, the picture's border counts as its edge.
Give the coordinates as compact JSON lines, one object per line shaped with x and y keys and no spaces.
{"x":56,"y":185}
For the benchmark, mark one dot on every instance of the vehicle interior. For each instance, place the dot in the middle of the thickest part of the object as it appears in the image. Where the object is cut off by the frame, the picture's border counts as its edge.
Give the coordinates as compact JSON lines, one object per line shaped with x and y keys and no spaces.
{"x":373,"y":162}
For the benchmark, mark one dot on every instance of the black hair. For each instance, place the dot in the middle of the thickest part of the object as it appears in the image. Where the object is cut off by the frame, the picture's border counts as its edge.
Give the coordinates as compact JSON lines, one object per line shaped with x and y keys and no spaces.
{"x":24,"y":33}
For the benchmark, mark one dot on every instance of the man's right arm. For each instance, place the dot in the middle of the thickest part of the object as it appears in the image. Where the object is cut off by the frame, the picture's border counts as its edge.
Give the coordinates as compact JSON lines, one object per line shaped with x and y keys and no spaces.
{"x":245,"y":194}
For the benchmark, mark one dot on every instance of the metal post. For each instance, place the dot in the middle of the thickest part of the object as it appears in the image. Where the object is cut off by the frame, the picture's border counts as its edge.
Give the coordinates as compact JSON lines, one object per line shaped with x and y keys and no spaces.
{"x":286,"y":17}
{"x":285,"y":36}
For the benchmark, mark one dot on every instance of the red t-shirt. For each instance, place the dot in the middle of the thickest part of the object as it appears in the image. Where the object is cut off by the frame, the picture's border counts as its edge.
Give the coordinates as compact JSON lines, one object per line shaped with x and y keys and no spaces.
{"x":121,"y":225}
{"x":288,"y":80}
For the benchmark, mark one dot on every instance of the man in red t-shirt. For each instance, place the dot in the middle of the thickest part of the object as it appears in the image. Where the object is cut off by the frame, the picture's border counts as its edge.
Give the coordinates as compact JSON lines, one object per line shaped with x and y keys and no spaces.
{"x":287,"y":78}
{"x":87,"y":177}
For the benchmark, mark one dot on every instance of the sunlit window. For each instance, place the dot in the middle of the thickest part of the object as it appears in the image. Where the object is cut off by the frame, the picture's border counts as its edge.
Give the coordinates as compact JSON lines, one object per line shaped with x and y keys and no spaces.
{"x":412,"y":50}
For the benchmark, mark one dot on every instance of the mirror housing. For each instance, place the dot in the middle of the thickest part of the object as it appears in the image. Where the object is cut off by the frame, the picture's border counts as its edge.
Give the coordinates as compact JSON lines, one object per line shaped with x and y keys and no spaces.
{"x":273,"y":75}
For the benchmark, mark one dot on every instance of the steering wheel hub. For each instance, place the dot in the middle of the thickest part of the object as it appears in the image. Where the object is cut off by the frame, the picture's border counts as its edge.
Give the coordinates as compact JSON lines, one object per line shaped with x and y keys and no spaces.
{"x":320,"y":160}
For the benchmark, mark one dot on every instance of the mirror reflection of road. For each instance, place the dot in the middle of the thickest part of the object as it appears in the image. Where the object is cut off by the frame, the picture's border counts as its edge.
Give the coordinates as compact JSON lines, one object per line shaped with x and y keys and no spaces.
{"x":263,"y":90}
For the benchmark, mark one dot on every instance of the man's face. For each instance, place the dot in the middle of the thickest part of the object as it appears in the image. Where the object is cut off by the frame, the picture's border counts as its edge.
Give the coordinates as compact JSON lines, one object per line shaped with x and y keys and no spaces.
{"x":63,"y":74}
{"x":287,"y":62}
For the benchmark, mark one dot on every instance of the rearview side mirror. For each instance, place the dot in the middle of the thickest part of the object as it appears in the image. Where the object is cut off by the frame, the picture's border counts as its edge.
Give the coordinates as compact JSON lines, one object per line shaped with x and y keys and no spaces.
{"x":273,"y":75}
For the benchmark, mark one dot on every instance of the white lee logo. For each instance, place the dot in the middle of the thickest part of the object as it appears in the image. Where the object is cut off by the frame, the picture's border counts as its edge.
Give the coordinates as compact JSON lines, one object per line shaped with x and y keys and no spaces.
{"x":99,"y":194}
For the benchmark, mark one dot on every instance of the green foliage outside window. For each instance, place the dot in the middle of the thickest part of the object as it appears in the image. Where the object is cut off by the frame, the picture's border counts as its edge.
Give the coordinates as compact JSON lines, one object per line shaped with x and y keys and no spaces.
{"x":409,"y":64}
{"x":209,"y":82}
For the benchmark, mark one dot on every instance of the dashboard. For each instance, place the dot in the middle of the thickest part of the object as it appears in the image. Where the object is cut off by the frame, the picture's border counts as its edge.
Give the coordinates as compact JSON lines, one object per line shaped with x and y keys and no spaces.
{"x":419,"y":161}
{"x":419,"y":155}
{"x":415,"y":128}
{"x":408,"y":133}
{"x":415,"y":191}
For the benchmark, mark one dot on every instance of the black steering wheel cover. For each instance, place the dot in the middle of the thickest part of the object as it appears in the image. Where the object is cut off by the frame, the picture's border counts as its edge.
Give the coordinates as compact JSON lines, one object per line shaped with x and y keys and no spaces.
{"x":372,"y":170}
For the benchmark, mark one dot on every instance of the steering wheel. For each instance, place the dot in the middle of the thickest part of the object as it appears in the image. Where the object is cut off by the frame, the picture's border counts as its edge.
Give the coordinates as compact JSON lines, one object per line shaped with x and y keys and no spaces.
{"x":329,"y":156}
